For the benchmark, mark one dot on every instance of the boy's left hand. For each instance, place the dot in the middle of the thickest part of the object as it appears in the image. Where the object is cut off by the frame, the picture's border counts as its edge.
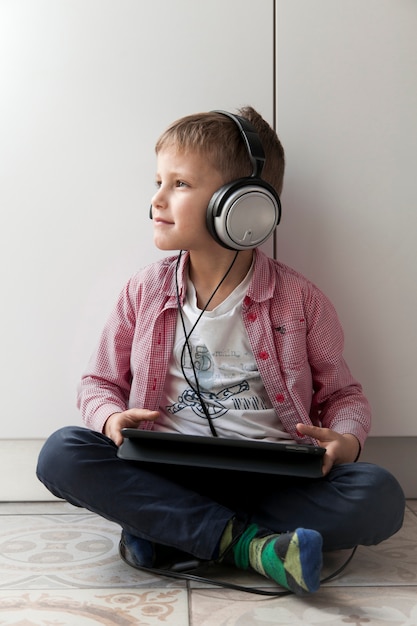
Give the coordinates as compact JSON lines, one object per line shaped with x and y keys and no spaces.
{"x":339,"y":448}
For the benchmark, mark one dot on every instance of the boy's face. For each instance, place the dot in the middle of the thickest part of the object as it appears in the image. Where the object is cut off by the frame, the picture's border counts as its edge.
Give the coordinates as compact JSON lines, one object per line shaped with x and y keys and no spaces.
{"x":185,"y":183}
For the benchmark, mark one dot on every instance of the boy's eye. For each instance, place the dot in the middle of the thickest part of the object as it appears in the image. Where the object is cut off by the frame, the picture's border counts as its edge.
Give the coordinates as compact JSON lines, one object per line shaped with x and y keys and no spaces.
{"x":178,"y":183}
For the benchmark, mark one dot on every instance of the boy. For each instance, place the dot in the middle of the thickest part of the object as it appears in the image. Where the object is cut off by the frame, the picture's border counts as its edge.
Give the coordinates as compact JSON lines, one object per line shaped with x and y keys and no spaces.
{"x":223,"y":340}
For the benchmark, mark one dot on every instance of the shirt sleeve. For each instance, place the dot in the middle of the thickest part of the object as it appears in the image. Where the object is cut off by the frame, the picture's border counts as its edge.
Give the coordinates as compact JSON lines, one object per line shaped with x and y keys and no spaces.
{"x":338,"y":400}
{"x":105,"y":385}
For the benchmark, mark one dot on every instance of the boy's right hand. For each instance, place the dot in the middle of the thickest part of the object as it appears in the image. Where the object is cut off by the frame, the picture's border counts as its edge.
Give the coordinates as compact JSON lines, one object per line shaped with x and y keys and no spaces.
{"x":126,"y":419}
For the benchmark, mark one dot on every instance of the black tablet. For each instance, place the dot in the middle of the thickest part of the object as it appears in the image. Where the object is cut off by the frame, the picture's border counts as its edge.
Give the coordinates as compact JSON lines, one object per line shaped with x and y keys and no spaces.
{"x":283,"y":458}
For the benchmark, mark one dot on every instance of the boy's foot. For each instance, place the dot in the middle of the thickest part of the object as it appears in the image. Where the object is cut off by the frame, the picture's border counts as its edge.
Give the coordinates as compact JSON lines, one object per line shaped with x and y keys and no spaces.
{"x":293,"y":559}
{"x":141,"y":553}
{"x":135,"y":551}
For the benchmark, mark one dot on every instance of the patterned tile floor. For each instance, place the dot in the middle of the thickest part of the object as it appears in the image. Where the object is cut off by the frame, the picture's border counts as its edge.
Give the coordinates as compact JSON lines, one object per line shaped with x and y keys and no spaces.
{"x":59,"y":566}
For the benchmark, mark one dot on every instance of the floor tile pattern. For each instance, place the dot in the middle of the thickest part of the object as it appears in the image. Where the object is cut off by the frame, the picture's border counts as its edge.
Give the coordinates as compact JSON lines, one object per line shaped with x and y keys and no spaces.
{"x":60,"y":566}
{"x":79,"y":607}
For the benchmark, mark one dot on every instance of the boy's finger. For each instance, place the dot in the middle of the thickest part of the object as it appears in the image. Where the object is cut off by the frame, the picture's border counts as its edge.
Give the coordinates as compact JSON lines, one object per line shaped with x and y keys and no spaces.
{"x":139,"y":415}
{"x":321,"y":434}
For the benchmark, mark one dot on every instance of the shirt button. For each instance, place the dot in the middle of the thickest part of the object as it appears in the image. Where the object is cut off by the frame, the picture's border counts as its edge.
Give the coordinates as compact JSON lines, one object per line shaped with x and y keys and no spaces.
{"x":246,"y":301}
{"x":252,"y":317}
{"x":280,"y":397}
{"x":263,"y":355}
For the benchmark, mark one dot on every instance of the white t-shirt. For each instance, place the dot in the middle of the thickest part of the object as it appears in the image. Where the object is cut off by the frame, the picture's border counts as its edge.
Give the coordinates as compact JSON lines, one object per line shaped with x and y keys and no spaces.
{"x":227,"y":375}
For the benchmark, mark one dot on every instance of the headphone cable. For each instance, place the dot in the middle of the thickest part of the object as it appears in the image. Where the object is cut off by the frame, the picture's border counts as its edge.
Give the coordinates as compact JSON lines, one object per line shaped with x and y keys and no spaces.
{"x":184,"y":571}
{"x":196,"y":386}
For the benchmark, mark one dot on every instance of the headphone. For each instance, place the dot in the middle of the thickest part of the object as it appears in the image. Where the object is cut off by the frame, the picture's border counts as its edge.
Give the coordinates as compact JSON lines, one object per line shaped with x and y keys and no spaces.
{"x":244,"y":213}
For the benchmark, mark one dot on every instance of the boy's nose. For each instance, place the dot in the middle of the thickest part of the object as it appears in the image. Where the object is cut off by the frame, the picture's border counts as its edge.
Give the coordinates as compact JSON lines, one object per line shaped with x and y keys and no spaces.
{"x":158,"y":199}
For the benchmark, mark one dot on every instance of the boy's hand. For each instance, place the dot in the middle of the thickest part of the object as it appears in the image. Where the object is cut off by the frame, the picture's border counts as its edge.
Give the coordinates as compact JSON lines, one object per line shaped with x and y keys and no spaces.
{"x":126,"y":419}
{"x":339,"y":448}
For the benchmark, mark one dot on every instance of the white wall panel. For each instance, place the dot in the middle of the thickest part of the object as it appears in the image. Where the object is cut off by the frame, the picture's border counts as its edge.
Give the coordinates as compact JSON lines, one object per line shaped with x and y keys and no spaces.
{"x":346,"y":113}
{"x":86,"y":88}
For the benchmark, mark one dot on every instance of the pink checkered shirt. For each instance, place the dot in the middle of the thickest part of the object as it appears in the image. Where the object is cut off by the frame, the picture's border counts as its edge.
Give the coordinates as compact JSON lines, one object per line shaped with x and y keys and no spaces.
{"x":292,"y":327}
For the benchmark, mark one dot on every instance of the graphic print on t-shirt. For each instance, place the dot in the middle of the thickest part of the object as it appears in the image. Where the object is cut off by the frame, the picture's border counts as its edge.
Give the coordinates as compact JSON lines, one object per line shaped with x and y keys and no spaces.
{"x":222,"y":381}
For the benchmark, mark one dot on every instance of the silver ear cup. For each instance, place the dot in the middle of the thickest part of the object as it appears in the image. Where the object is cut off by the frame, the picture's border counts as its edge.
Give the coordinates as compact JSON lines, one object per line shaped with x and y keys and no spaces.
{"x":244,"y":217}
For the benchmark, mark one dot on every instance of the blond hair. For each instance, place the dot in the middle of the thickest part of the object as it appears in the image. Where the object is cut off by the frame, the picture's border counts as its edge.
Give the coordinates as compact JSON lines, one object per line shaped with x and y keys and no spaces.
{"x":218,"y":138}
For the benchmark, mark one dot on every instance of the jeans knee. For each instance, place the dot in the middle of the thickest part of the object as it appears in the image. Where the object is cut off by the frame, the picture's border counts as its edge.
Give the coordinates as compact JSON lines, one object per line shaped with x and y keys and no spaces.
{"x":57,"y":453}
{"x":385,"y":500}
{"x":384,"y":485}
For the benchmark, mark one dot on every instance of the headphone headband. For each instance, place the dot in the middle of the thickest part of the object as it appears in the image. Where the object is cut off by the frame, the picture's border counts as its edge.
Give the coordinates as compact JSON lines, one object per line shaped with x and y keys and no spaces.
{"x":252,"y":142}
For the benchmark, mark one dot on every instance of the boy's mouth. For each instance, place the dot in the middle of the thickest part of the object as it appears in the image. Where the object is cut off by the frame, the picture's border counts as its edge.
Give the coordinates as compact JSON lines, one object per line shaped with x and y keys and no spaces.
{"x":160,"y":220}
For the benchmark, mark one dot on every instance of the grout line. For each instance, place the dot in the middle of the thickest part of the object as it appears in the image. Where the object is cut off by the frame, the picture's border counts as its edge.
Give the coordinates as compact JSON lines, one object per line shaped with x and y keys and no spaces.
{"x":189,"y":603}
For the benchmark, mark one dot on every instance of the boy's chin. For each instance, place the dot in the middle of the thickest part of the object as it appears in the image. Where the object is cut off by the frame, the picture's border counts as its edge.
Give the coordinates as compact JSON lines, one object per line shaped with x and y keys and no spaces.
{"x":159,"y":243}
{"x":163,"y":247}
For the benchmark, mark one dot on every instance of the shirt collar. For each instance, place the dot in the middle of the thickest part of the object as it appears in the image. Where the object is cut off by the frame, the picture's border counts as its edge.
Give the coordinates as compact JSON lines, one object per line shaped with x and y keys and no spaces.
{"x":261,"y":287}
{"x":177,"y":271}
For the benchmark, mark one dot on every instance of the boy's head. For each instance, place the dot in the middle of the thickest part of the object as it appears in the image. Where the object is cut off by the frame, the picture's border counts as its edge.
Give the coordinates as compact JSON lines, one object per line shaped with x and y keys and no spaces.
{"x":217,"y":138}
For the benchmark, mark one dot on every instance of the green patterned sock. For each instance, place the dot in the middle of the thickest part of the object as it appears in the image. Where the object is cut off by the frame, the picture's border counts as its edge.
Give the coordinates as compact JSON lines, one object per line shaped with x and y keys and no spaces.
{"x":293,"y":560}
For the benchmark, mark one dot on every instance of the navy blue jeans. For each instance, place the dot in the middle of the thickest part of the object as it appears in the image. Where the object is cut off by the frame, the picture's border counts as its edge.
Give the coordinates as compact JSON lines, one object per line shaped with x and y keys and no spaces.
{"x":188,"y":508}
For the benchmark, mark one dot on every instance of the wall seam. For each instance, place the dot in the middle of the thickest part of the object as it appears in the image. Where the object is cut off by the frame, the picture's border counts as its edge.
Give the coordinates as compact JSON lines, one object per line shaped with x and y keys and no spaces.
{"x":274,"y":92}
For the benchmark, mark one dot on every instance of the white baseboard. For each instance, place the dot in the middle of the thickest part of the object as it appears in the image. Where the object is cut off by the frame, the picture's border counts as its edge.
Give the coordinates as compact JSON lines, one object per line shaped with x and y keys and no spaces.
{"x":18,"y":481}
